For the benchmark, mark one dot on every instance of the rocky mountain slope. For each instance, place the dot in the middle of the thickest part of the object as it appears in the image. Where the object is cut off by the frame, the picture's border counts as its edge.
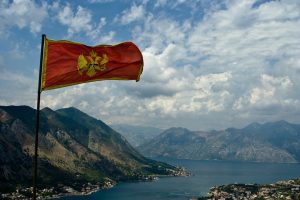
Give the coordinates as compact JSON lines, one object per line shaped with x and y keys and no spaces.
{"x":269,"y":142}
{"x":73,"y":148}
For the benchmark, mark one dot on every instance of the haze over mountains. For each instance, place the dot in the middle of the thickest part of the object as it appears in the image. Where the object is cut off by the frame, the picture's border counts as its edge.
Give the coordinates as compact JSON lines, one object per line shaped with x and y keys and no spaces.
{"x":73,"y":148}
{"x":137,"y":135}
{"x":277,"y":142}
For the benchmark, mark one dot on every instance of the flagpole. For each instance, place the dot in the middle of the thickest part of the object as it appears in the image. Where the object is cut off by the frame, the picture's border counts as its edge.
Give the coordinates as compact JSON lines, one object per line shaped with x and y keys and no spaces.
{"x":37,"y":121}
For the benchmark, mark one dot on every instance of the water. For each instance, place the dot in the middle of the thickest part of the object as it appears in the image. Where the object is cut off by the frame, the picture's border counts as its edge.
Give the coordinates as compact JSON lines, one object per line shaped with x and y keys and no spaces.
{"x":205,"y":175}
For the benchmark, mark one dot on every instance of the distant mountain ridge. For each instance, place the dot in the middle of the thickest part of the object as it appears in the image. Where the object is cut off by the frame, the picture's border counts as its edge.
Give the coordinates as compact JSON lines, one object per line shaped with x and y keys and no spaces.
{"x":277,"y":142}
{"x":136,"y":135}
{"x":73,"y":148}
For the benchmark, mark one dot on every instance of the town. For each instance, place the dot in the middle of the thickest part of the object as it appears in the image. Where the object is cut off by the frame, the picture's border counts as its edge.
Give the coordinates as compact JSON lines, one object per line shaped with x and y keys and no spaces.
{"x":280,"y":190}
{"x":56,"y":192}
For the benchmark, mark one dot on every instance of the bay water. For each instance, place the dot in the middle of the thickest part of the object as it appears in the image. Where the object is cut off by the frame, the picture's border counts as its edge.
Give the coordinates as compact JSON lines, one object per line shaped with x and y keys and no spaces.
{"x":205,"y":174}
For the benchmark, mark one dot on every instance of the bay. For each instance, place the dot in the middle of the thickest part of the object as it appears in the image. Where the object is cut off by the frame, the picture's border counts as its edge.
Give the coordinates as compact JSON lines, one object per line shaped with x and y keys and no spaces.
{"x":205,"y":174}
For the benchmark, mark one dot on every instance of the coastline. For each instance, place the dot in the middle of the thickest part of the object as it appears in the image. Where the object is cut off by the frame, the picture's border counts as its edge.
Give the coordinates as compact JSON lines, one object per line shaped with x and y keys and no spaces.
{"x":57,"y":192}
{"x":86,"y":189}
{"x":94,"y":188}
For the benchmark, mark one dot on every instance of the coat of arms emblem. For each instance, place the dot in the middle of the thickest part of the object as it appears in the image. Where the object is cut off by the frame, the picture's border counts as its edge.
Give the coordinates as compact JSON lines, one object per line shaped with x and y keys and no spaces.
{"x":91,"y":64}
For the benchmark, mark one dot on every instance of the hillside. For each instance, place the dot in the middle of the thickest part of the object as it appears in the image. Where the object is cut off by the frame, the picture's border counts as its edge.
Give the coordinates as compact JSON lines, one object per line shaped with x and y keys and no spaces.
{"x":277,"y":142}
{"x":73,"y":148}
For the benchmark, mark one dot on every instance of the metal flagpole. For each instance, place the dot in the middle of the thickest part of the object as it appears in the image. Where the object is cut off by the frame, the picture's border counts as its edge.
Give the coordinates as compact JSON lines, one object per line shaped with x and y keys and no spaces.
{"x":37,"y":121}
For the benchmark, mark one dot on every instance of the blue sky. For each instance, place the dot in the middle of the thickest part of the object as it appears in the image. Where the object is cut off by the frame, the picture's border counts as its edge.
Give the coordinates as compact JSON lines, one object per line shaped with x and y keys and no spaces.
{"x":209,"y":64}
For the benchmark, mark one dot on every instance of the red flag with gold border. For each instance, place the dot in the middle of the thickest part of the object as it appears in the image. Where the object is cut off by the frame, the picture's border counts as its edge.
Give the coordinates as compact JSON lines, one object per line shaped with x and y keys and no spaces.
{"x":68,"y":63}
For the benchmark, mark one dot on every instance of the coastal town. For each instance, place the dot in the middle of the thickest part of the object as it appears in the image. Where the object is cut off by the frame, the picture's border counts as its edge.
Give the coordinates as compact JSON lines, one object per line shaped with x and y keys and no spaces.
{"x":56,"y":192}
{"x":287,"y":190}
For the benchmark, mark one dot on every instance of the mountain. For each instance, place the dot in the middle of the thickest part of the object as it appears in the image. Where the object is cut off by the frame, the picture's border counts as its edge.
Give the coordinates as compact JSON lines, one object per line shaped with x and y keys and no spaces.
{"x":73,"y":148}
{"x":136,"y":135}
{"x":270,"y":142}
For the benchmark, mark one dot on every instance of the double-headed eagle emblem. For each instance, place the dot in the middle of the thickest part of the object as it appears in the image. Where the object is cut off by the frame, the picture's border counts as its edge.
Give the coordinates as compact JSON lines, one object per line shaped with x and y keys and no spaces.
{"x":91,"y":64}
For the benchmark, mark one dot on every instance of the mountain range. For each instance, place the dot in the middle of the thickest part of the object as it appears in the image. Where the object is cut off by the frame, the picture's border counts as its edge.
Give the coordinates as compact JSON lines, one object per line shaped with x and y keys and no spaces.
{"x":275,"y":142}
{"x":74,"y":148}
{"x":136,"y":135}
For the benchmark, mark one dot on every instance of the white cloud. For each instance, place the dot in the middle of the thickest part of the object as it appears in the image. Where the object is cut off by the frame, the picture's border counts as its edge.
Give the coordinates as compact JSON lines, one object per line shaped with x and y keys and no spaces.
{"x":100,"y":1}
{"x":22,"y":14}
{"x":174,"y":3}
{"x":271,"y":90}
{"x":78,"y":21}
{"x":107,"y":39}
{"x":250,"y":52}
{"x":81,"y":21}
{"x":158,"y":33}
{"x":22,"y":87}
{"x":192,"y":7}
{"x":160,"y":3}
{"x":135,"y":13}
{"x":16,"y":52}
{"x":94,"y":34}
{"x":1,"y":62}
{"x":238,"y":64}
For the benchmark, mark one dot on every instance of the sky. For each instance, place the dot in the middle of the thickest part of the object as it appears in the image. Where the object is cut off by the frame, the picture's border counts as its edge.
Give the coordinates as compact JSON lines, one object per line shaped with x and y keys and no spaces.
{"x":208,"y":64}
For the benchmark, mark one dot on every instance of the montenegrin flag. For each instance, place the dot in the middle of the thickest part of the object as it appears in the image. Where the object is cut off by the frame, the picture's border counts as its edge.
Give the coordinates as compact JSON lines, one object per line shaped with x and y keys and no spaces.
{"x":68,"y":63}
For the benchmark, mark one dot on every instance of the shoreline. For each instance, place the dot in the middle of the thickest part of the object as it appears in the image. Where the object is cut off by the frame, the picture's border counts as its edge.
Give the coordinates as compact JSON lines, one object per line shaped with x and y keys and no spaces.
{"x":86,"y":189}
{"x":61,"y":195}
{"x":57,"y":192}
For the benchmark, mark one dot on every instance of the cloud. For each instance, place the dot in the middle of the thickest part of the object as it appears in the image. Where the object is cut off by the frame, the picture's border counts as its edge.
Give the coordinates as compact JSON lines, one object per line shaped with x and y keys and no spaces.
{"x":16,"y":52}
{"x":22,"y":87}
{"x":22,"y":14}
{"x":1,"y":62}
{"x":100,"y":1}
{"x":81,"y":21}
{"x":135,"y":13}
{"x":107,"y":39}
{"x":150,"y":90}
{"x":236,"y":64}
{"x":78,"y":21}
{"x":174,"y":3}
{"x":97,"y":30}
{"x":189,"y":7}
{"x":271,"y":91}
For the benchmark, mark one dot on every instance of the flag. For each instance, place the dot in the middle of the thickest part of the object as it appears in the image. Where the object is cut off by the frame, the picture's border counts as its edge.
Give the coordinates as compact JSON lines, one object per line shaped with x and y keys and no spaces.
{"x":68,"y":63}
